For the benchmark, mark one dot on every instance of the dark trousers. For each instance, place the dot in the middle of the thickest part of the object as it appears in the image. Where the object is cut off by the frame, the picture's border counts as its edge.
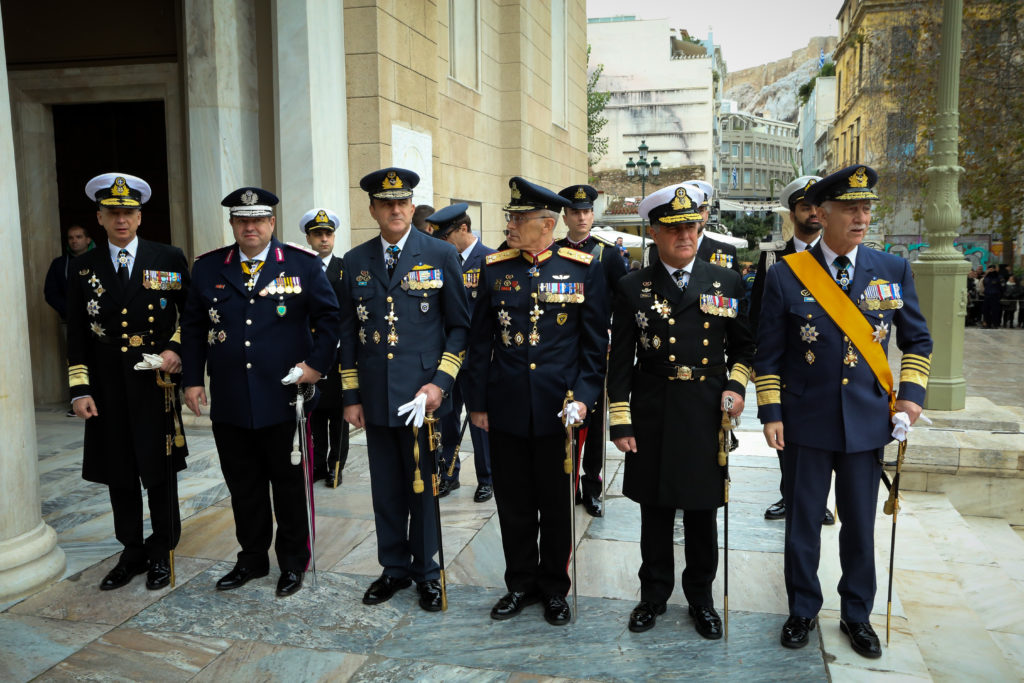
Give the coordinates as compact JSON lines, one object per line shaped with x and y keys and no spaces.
{"x":406,"y":521}
{"x":164,"y":518}
{"x":531,"y":490}
{"x":330,"y":441}
{"x":450,"y":426}
{"x":593,"y":450}
{"x":808,"y":475}
{"x":657,"y":573}
{"x":256,"y":462}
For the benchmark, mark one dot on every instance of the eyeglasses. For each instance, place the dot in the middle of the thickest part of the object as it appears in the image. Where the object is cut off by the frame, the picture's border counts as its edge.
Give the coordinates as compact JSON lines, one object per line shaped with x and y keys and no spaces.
{"x":519,"y":218}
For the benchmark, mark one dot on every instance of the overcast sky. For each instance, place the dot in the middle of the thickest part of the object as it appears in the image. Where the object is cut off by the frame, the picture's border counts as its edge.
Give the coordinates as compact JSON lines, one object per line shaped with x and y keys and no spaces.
{"x":751,"y":32}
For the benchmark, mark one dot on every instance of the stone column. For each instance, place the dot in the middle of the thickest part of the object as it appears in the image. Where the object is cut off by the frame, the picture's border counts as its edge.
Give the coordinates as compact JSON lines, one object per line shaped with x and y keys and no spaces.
{"x":223,"y":113}
{"x":29,"y":555}
{"x":311,"y":149}
{"x":941,"y":271}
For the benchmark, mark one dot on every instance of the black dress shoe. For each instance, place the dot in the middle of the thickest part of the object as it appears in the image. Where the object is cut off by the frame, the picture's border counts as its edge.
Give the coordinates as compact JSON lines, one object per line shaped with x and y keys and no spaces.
{"x":828,"y":519}
{"x":159,"y":574}
{"x":556,"y":610}
{"x":238,"y":577}
{"x":430,"y":595}
{"x":383,"y":588}
{"x":707,"y":622}
{"x":644,"y":615}
{"x":484,"y":492}
{"x":447,"y":486}
{"x":592,"y":504}
{"x":796,"y":632}
{"x":776,"y":511}
{"x":121,"y":574}
{"x":290,"y":582}
{"x":862,"y":639}
{"x":332,"y":483}
{"x":511,"y":604}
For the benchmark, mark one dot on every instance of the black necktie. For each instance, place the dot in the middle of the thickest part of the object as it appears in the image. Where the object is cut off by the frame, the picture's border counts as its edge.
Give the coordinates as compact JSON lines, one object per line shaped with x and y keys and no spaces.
{"x":680,"y":276}
{"x":391,"y":260}
{"x":462,"y":259}
{"x":842,"y":264}
{"x":122,"y":267}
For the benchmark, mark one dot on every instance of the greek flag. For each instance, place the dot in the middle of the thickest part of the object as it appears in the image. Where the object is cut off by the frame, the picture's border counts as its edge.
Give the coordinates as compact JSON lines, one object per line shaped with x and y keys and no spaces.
{"x":821,"y":58}
{"x":734,"y":178}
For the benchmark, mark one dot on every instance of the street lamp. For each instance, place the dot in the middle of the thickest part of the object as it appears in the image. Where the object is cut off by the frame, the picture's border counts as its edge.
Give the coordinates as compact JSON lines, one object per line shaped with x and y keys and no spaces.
{"x":642,"y":169}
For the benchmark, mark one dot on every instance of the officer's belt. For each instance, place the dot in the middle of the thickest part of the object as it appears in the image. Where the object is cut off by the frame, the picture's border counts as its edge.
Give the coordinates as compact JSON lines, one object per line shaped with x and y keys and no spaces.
{"x":129,"y":339}
{"x":684,"y":373}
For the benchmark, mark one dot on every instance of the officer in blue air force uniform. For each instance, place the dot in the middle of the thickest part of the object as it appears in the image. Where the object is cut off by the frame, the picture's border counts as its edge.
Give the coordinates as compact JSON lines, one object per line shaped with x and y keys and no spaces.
{"x":819,"y":399}
{"x":124,"y":300}
{"x":539,"y":330}
{"x":248,"y":321}
{"x":403,"y":333}
{"x":453,"y":225}
{"x":680,"y":317}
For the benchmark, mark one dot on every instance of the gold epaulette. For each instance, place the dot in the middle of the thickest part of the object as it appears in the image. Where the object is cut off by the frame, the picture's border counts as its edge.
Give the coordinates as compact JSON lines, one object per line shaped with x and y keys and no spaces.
{"x":769,"y":389}
{"x":740,"y":373}
{"x":349,"y":379}
{"x":915,"y":369}
{"x":499,"y":256}
{"x":576,"y":255}
{"x":301,"y":248}
{"x":618,"y":414}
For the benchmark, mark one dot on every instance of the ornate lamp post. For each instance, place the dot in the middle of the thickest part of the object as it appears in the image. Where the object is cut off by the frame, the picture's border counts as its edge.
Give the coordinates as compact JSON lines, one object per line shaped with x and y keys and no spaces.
{"x":642,"y":169}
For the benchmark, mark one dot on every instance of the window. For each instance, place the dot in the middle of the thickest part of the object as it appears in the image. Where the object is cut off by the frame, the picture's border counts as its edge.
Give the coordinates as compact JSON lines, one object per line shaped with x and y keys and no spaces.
{"x":856,"y":140}
{"x":746,"y":151}
{"x":559,"y":60}
{"x":464,"y":42}
{"x":899,"y":134}
{"x":736,"y":149}
{"x":746,"y":177}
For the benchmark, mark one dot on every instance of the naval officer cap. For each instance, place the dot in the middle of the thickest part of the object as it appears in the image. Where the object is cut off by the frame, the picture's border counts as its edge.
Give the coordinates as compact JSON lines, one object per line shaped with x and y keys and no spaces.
{"x":579,"y":196}
{"x":529,"y":197}
{"x":447,"y":219}
{"x":250,"y":202}
{"x":705,"y":189}
{"x":118,"y":190}
{"x":319,"y":219}
{"x":673,"y":204}
{"x":851,"y":184}
{"x":390,"y":183}
{"x":796,"y":191}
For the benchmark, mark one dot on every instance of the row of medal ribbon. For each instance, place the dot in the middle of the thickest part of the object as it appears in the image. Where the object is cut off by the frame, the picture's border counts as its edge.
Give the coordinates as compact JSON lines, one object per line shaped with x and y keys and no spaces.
{"x":283,"y":285}
{"x":719,"y":305}
{"x":160,"y":279}
{"x":423,"y":279}
{"x":560,"y":292}
{"x":882,"y":297}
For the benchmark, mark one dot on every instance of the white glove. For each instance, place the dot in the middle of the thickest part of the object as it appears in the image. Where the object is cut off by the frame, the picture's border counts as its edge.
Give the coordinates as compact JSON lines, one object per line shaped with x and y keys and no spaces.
{"x":292,"y":377}
{"x":571,"y":414}
{"x":150,"y":361}
{"x":417,"y":409}
{"x":901,"y":428}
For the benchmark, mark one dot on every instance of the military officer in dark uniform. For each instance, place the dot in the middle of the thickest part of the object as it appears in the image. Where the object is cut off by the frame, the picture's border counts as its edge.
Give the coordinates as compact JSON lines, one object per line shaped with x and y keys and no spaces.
{"x":708,"y":248}
{"x":250,"y":318}
{"x":681,"y":319}
{"x":403,"y":334}
{"x":579,"y":219}
{"x":124,"y":299}
{"x":453,"y":225}
{"x":539,"y":331}
{"x":820,"y":397}
{"x":327,"y":424}
{"x":806,"y":233}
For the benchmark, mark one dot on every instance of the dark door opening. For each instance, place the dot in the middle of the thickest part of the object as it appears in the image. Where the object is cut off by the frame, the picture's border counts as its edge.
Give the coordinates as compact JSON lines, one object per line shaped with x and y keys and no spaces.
{"x":126,"y":137}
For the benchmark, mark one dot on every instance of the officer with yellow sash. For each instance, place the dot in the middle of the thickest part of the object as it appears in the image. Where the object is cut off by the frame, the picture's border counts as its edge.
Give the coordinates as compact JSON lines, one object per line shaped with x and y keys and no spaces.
{"x":825,"y":394}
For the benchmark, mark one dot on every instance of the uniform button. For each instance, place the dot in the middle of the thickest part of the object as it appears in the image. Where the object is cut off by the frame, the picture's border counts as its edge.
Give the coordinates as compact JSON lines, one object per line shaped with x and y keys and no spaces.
{"x":702,"y":378}
{"x":502,"y":303}
{"x":845,"y":338}
{"x":389,"y":299}
{"x":390,"y":356}
{"x":880,"y":315}
{"x":248,"y":343}
{"x":846,"y":380}
{"x":671,"y":321}
{"x":124,"y":336}
{"x":248,"y":322}
{"x":150,"y":307}
{"x":672,"y":357}
{"x":248,"y":366}
{"x":123,"y":349}
{"x":124,"y":323}
{"x":124,"y":311}
{"x":703,"y":361}
{"x":252,"y":301}
{"x":809,"y":316}
{"x":214,"y":299}
{"x":533,"y":366}
{"x":671,"y":340}
{"x":706,"y":324}
{"x":151,"y":318}
{"x":705,"y":342}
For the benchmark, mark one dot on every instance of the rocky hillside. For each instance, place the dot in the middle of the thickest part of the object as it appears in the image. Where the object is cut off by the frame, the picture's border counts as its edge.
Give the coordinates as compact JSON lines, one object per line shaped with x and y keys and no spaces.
{"x":771,"y":89}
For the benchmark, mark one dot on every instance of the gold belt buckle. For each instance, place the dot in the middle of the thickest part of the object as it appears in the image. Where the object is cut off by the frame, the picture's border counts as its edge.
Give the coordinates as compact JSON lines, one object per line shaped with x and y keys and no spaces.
{"x":135,"y":340}
{"x":683,"y":372}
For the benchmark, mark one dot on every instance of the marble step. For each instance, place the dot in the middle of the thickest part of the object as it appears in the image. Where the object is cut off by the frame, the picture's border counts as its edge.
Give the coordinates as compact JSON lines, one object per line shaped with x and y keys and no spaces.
{"x":964,"y":610}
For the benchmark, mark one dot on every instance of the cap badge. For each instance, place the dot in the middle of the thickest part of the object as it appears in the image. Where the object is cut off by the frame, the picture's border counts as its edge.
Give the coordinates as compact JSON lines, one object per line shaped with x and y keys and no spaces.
{"x":515,"y":192}
{"x":392,"y":181}
{"x":249,"y":198}
{"x":809,"y":183}
{"x":321,"y":217}
{"x":119,"y":188}
{"x":859,"y":178}
{"x":580,"y":193}
{"x":682,"y":200}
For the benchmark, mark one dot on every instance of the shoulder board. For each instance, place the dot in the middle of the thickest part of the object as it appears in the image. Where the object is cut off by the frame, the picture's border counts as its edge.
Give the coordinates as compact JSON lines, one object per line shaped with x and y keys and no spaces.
{"x":301,"y":248}
{"x":499,"y":256}
{"x":214,"y":251}
{"x":573,"y":255}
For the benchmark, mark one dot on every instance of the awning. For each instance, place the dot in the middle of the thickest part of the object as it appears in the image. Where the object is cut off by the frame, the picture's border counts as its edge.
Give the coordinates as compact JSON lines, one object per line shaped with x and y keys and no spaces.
{"x":747,"y":205}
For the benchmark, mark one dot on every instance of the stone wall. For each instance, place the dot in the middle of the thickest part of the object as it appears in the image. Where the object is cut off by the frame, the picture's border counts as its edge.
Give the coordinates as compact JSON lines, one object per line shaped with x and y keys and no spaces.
{"x":615,"y":183}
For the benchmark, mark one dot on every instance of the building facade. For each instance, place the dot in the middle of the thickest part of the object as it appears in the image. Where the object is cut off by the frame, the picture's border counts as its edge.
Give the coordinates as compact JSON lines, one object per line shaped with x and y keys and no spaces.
{"x":759,"y":156}
{"x":815,"y":125}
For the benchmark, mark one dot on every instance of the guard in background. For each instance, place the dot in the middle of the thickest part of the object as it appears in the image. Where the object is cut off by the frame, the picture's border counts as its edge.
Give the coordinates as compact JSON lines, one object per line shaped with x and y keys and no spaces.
{"x":708,"y":248}
{"x":330,"y":431}
{"x":249,"y":319}
{"x":680,"y":317}
{"x":452,"y":224}
{"x":820,"y":399}
{"x":806,"y":233}
{"x":403,"y":333}
{"x":124,"y":299}
{"x":579,"y":219}
{"x":539,"y":331}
